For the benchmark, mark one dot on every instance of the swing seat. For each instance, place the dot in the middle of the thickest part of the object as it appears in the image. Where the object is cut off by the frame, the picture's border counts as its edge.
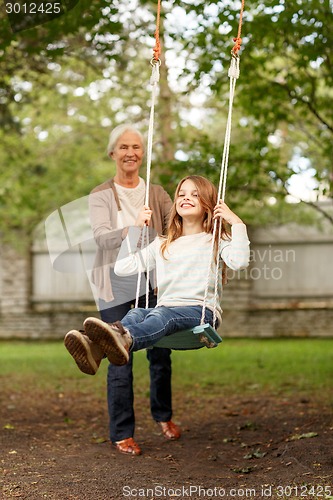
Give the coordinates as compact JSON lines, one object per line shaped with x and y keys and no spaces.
{"x":192,"y":338}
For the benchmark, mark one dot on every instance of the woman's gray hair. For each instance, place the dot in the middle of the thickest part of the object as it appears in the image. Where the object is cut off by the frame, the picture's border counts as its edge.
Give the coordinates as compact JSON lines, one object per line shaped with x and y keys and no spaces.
{"x":117,"y":132}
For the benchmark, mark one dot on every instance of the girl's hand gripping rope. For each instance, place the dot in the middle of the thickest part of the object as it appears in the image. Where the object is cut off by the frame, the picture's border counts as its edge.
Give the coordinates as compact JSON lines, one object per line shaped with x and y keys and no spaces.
{"x":222,"y":210}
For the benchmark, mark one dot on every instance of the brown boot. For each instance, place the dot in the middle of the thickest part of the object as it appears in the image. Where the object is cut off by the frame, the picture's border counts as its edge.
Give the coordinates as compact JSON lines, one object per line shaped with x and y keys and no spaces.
{"x":87,"y":355}
{"x":113,"y":339}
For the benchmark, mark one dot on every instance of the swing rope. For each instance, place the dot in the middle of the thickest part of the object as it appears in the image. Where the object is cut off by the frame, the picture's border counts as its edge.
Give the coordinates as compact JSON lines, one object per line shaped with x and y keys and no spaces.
{"x":157,"y":48}
{"x":238,"y":40}
{"x":233,"y":74}
{"x":154,"y":79}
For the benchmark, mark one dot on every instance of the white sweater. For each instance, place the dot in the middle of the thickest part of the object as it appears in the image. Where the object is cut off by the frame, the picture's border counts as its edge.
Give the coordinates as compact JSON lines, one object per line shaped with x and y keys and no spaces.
{"x":131,"y":201}
{"x":182,"y":275}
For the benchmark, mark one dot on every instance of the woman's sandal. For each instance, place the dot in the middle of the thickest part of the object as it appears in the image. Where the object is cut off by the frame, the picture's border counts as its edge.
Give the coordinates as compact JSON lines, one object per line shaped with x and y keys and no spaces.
{"x":128,"y":446}
{"x":170,"y":430}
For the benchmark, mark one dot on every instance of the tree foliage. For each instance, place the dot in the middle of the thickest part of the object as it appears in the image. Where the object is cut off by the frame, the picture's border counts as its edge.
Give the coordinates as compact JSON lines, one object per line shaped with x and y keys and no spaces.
{"x":285,"y":88}
{"x":65,"y":83}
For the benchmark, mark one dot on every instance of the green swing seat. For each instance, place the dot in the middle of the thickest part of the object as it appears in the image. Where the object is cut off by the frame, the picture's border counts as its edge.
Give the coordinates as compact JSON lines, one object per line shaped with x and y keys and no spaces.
{"x":193,"y":338}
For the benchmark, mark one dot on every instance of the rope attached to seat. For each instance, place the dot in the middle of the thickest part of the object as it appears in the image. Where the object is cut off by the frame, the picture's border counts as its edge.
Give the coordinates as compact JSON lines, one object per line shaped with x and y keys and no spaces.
{"x":154,"y":80}
{"x":233,"y":74}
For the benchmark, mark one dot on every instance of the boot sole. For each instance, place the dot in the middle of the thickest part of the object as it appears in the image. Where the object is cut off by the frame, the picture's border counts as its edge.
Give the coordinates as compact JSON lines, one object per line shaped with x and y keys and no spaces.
{"x":79,"y":349}
{"x":102,"y":334}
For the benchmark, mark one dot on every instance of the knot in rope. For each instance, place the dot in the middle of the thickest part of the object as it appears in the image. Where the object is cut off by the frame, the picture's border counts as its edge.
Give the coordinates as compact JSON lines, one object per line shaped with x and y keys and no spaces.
{"x":238,"y":40}
{"x":237,"y":46}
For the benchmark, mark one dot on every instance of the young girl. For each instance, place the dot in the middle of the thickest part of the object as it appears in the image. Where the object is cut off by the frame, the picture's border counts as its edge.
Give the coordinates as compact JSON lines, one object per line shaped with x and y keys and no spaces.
{"x":181,"y":261}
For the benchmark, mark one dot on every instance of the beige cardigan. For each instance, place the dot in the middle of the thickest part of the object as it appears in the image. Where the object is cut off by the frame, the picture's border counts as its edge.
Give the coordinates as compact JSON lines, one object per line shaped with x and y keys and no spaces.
{"x":103,"y":207}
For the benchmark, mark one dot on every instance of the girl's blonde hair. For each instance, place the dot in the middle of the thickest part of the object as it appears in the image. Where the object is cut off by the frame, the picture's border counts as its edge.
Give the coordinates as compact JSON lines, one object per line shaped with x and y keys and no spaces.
{"x":207,"y":195}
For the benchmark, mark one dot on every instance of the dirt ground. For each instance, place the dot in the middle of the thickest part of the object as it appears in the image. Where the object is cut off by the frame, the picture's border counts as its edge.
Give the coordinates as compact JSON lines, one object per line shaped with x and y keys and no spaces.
{"x":55,"y":446}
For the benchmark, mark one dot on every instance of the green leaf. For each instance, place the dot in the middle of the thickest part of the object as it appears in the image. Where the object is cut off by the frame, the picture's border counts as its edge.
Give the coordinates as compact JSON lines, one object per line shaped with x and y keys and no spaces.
{"x":99,"y":440}
{"x":307,"y":435}
{"x":9,"y":426}
{"x":244,"y":470}
{"x":255,"y":454}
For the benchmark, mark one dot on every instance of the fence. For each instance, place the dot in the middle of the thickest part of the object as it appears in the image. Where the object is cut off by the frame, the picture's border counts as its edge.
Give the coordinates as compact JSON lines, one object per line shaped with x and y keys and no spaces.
{"x":286,"y":291}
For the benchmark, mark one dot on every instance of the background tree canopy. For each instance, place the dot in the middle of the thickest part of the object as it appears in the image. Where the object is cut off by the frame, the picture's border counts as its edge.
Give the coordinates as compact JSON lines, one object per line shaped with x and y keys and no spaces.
{"x":66,"y":83}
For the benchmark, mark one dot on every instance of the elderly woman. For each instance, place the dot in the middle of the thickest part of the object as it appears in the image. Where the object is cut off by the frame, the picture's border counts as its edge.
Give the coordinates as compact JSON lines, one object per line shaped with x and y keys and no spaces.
{"x":114,"y":206}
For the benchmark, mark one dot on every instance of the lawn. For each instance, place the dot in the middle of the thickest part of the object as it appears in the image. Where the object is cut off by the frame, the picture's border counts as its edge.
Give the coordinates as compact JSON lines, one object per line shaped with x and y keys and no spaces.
{"x":242,"y":366}
{"x":254,"y":413}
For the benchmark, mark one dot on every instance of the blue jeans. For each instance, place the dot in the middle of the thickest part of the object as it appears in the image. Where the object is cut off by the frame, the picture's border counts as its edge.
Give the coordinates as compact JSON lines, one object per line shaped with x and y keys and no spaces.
{"x":120,"y":378}
{"x":147,"y":326}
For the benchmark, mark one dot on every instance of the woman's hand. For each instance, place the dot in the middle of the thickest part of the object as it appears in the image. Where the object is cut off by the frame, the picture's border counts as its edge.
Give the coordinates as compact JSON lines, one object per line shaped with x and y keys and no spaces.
{"x":144,"y":217}
{"x":222,"y":210}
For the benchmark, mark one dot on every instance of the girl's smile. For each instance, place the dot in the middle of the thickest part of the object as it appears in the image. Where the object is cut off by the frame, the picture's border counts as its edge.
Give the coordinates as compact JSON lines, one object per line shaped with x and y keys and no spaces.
{"x":186,"y":204}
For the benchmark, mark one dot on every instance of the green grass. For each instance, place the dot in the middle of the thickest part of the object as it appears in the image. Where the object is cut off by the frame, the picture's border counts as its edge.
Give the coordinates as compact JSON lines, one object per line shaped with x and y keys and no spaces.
{"x":273,"y":365}
{"x":237,"y":366}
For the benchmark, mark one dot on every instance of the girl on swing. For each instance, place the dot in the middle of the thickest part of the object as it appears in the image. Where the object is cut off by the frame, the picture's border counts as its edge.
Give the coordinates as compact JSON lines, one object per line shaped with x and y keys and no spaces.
{"x":181,"y":260}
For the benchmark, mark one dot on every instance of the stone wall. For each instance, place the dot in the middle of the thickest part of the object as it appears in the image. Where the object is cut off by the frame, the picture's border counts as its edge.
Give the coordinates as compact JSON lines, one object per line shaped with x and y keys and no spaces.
{"x":287,"y":291}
